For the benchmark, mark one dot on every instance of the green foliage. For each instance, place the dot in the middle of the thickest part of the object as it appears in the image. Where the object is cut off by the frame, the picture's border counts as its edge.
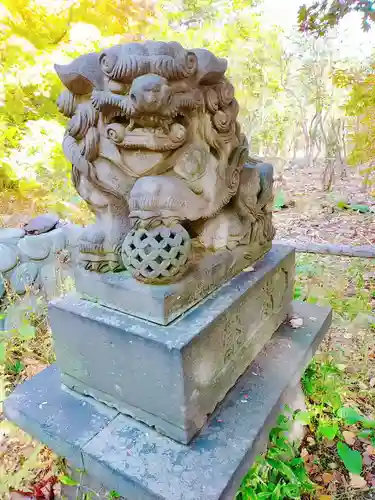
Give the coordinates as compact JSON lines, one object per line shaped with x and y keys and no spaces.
{"x":253,"y":54}
{"x":360,"y":110}
{"x":349,"y":415}
{"x":26,"y":331}
{"x":279,"y":201}
{"x":68,"y":481}
{"x":280,"y":473}
{"x":2,"y":352}
{"x":365,"y":426}
{"x":36,"y":35}
{"x":362,"y":209}
{"x":322,"y":383}
{"x":328,"y":429}
{"x":33,"y":36}
{"x":352,"y":458}
{"x":16,"y":368}
{"x":325,"y":390}
{"x":316,"y":283}
{"x":113,"y":495}
{"x":321,"y":16}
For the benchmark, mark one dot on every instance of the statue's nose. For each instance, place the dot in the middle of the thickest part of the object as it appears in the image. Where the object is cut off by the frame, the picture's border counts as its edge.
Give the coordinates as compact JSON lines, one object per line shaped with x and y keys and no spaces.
{"x":148,"y":92}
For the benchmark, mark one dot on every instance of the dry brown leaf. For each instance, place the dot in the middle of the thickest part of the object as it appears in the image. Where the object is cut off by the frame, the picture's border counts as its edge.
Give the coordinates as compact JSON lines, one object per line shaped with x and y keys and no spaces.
{"x":367,"y":460}
{"x":327,"y":477}
{"x":57,"y":490}
{"x":33,"y":368}
{"x":329,"y":444}
{"x":370,"y":478}
{"x":357,"y":482}
{"x":325,"y":497}
{"x":349,"y":437}
{"x":339,"y":477}
{"x":370,"y":450}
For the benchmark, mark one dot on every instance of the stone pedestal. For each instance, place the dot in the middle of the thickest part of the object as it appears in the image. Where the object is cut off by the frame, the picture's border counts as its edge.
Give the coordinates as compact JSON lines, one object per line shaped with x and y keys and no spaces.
{"x":172,"y":377}
{"x":176,"y":412}
{"x":163,"y":303}
{"x":141,"y":464}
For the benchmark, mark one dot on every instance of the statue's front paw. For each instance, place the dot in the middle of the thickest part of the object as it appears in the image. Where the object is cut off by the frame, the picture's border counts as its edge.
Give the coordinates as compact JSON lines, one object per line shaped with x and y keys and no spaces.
{"x":91,"y":240}
{"x":223,"y":231}
{"x":165,"y":198}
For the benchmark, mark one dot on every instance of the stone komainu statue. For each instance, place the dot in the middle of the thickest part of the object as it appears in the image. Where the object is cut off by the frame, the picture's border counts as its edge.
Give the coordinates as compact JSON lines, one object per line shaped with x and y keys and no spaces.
{"x":154,"y":141}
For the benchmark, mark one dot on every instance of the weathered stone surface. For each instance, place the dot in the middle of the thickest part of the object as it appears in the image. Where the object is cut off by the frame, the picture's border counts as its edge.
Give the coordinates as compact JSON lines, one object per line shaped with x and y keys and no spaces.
{"x":50,"y":252}
{"x":39,"y":247}
{"x":50,"y":280}
{"x":139,"y":463}
{"x":58,"y":418}
{"x":154,"y":141}
{"x":41,"y":224}
{"x":2,"y":287}
{"x":158,"y":254}
{"x":34,"y":247}
{"x":173,"y":377}
{"x":11,"y":234}
{"x":23,"y":277}
{"x":72,"y":233}
{"x":164,"y":303}
{"x":57,"y":238}
{"x":8,"y":258}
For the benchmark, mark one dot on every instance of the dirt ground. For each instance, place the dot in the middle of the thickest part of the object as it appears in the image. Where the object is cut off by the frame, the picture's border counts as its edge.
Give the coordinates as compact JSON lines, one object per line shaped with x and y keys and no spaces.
{"x":316,"y":216}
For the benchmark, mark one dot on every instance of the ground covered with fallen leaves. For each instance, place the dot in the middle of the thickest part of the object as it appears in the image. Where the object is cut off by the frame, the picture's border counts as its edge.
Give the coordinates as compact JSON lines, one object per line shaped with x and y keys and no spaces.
{"x":29,"y":469}
{"x":321,"y":217}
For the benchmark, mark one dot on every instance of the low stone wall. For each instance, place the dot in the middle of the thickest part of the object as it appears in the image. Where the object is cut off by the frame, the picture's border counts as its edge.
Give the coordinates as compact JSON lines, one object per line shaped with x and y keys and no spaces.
{"x":35,"y":266}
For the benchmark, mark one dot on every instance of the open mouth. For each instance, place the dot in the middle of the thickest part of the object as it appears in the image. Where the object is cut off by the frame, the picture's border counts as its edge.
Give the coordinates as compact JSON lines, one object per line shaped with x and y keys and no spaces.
{"x":151,"y":132}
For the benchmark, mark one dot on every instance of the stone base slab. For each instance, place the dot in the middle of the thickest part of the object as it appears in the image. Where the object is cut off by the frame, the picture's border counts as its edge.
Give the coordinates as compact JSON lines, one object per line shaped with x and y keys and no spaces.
{"x":172,"y":377}
{"x":139,"y":463}
{"x":164,"y":303}
{"x":293,"y":398}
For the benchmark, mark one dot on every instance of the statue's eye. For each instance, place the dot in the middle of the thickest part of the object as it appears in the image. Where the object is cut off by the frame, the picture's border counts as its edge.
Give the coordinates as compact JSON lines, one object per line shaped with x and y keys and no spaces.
{"x":107,"y":63}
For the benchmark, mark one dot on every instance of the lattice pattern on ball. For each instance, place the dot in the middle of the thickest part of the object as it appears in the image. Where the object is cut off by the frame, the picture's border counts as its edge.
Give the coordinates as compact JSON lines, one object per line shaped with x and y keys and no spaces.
{"x":156,"y":254}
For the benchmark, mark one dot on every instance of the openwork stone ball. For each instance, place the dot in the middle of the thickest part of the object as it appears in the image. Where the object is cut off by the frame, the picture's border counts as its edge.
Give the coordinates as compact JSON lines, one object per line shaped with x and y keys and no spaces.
{"x":157,"y":255}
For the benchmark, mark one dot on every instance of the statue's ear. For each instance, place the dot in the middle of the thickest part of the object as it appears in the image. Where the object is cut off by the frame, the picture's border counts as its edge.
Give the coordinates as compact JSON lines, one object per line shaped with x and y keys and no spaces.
{"x":211,"y":69}
{"x":82,"y":75}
